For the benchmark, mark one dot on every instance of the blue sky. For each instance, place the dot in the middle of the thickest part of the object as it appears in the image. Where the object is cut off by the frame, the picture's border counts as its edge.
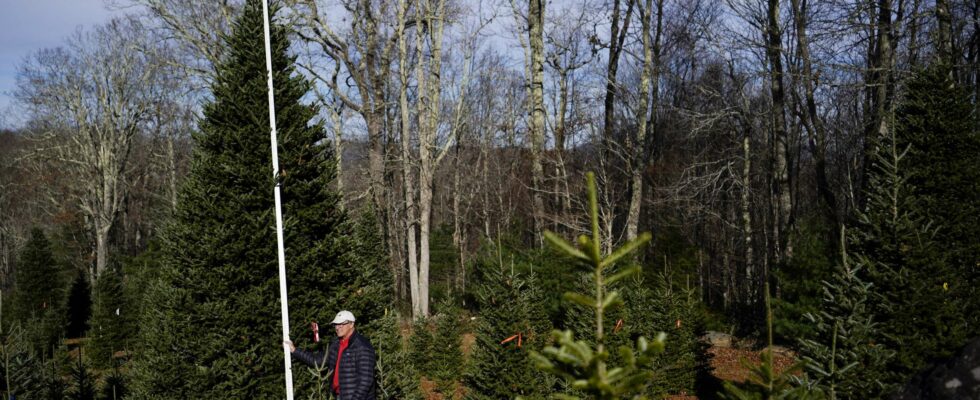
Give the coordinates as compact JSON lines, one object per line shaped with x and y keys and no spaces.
{"x":30,"y":25}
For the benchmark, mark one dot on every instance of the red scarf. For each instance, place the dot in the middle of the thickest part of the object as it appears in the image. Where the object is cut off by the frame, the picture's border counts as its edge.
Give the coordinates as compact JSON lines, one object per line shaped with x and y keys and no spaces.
{"x":336,"y":369}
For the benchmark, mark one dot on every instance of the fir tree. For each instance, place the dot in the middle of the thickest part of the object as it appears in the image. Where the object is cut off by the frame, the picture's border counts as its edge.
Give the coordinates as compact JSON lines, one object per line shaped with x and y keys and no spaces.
{"x":843,"y":358}
{"x":584,"y":366}
{"x":446,"y":350}
{"x":920,"y":319}
{"x":114,"y":385}
{"x":79,"y":307}
{"x":421,"y":346}
{"x":81,"y":381}
{"x":937,"y":123}
{"x":512,"y":321}
{"x":213,"y":329}
{"x":22,"y":371}
{"x":39,"y":301}
{"x":37,"y":277}
{"x":368,"y":291}
{"x":673,"y":310}
{"x":394,"y":380}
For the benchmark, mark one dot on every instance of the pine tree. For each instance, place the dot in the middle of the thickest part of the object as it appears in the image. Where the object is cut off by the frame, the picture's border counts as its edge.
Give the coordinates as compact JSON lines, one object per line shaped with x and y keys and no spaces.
{"x":81,"y":381}
{"x":39,"y":301}
{"x":676,"y":311}
{"x":114,"y":385}
{"x":421,"y":346}
{"x":920,"y":319}
{"x":938,"y":125}
{"x":37,"y":278}
{"x":213,"y":329}
{"x":368,"y":291}
{"x":22,"y":373}
{"x":395,"y":381}
{"x":843,"y":358}
{"x":446,"y":350}
{"x":79,"y":307}
{"x":512,"y":321}
{"x":583,"y":366}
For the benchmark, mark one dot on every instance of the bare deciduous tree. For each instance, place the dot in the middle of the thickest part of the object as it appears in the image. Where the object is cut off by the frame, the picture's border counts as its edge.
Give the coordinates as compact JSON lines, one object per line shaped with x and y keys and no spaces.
{"x":95,"y":95}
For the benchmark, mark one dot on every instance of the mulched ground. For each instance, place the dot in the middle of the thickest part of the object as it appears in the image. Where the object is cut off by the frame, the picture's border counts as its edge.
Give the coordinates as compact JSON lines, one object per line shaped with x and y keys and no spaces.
{"x":727,"y":365}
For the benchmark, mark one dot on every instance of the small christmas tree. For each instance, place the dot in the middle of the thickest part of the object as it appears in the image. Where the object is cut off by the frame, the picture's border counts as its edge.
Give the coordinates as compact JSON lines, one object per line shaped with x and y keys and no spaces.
{"x":585,"y":366}
{"x":512,"y":321}
{"x":446,"y":353}
{"x":22,"y":372}
{"x":844,"y":360}
{"x":394,"y":380}
{"x":675,"y":311}
{"x":82,"y":381}
{"x":109,"y":332}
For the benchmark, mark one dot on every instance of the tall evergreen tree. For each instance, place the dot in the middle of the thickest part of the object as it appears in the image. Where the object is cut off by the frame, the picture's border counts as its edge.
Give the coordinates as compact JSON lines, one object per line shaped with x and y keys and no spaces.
{"x":213,"y":327}
{"x":39,"y":302}
{"x":936,"y":121}
{"x":37,"y":278}
{"x":920,"y":318}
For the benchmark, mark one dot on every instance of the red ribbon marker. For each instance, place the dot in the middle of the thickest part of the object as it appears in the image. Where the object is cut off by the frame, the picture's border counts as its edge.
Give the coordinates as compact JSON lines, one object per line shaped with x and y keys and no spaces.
{"x":519,"y":336}
{"x":316,"y":332}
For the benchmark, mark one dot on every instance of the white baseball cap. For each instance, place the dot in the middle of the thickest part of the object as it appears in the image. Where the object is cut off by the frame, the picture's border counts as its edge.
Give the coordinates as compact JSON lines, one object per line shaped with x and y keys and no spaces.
{"x":342,"y":317}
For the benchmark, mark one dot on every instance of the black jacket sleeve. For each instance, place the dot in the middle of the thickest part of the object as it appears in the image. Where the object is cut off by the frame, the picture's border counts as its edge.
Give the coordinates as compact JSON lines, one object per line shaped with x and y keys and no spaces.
{"x":318,"y":359}
{"x":311,"y":358}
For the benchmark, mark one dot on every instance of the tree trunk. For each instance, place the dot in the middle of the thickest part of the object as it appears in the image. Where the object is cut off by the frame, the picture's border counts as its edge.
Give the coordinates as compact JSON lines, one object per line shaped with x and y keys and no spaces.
{"x":879,"y":86}
{"x":747,"y":212}
{"x":408,"y":180}
{"x":536,"y":40}
{"x":782,"y":189}
{"x":944,"y":34}
{"x":430,"y":93}
{"x":616,"y":38}
{"x":810,"y":115}
{"x":338,"y":148}
{"x":638,"y":146}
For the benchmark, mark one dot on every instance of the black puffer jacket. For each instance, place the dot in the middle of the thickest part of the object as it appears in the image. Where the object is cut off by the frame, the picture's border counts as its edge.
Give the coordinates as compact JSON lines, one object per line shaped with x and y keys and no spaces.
{"x":356,"y":366}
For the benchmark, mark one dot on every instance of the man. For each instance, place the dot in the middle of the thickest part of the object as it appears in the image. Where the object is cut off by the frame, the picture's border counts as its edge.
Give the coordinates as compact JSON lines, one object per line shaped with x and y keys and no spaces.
{"x":349,"y":360}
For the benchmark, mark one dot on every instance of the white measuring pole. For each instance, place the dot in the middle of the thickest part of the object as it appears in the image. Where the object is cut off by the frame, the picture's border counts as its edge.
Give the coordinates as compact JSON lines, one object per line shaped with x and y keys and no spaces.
{"x":275,"y":174}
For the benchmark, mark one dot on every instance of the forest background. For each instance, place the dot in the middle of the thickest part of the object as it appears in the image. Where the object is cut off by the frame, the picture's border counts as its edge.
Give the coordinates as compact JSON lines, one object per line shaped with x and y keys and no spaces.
{"x":827,"y":149}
